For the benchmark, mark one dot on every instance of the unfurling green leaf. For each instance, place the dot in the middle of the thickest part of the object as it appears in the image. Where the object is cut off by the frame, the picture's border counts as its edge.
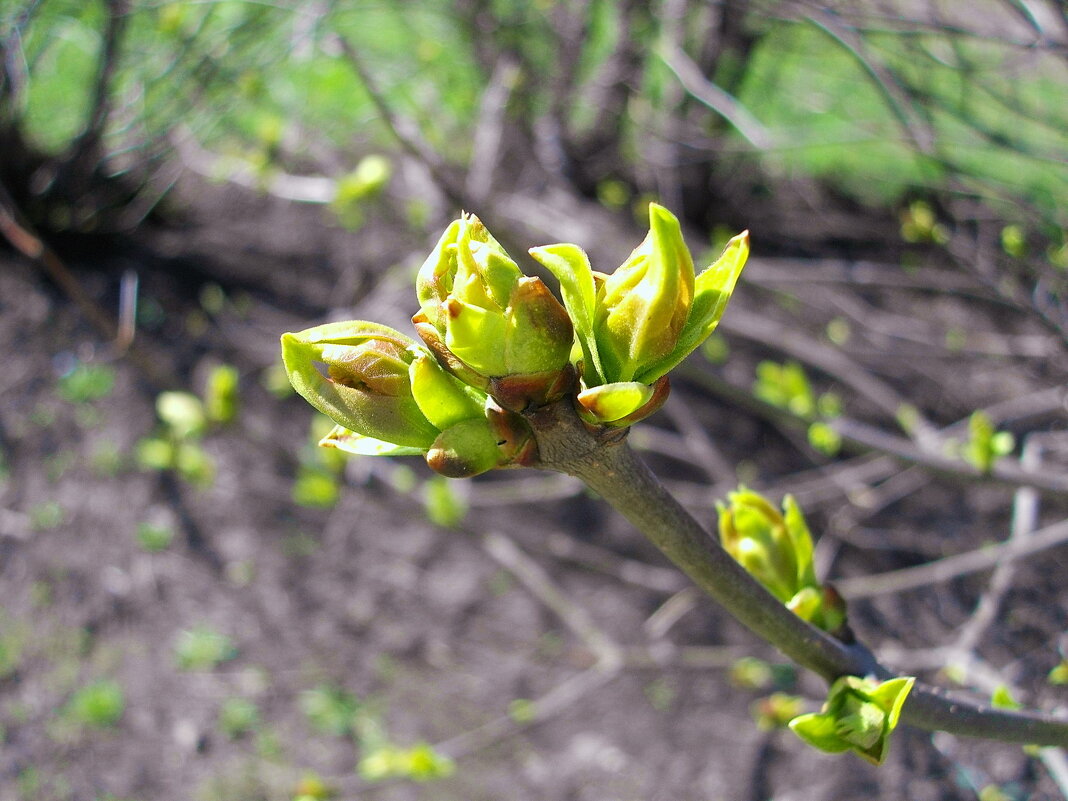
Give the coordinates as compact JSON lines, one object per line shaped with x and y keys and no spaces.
{"x":1002,"y":698}
{"x":355,"y":189}
{"x":571,"y":266}
{"x":985,"y":443}
{"x":444,"y":506}
{"x":786,"y":386}
{"x":824,"y":438}
{"x":776,"y":548}
{"x":859,"y":715}
{"x":182,"y":412}
{"x":221,"y":394}
{"x":776,"y":710}
{"x":420,"y":763}
{"x":1059,"y":674}
{"x":642,"y":307}
{"x":635,"y":325}
{"x":712,"y":290}
{"x":359,"y":445}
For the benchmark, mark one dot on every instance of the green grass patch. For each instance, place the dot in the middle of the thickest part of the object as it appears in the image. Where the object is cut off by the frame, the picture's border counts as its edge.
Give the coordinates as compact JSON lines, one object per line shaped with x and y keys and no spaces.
{"x":99,"y":705}
{"x":202,"y":648}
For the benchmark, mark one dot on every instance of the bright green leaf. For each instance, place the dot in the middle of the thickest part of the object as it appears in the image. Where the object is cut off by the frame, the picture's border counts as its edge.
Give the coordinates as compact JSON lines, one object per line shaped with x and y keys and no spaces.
{"x":610,"y":402}
{"x":1002,"y":698}
{"x":351,"y":442}
{"x":571,"y":266}
{"x":712,"y":290}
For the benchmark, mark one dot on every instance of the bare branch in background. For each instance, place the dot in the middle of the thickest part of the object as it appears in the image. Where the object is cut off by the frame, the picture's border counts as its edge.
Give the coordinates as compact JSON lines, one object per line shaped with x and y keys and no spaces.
{"x":609,"y":91}
{"x":570,"y":25}
{"x":915,"y":129}
{"x":12,"y":61}
{"x":405,"y":131}
{"x":689,"y":74}
{"x":489,"y":133}
{"x":86,"y":153}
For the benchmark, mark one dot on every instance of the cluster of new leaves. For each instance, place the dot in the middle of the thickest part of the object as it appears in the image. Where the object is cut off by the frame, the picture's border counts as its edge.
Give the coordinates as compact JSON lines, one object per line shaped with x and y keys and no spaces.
{"x":776,"y":549}
{"x":497,"y":344}
{"x":859,"y":716}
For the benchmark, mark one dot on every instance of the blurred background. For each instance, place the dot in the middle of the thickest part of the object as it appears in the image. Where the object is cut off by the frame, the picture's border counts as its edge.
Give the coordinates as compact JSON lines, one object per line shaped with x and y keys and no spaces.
{"x":198,"y":603}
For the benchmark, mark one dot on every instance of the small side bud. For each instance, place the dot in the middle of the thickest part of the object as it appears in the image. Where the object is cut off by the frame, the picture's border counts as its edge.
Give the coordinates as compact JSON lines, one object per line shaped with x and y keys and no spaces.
{"x":622,"y":403}
{"x":776,"y":549}
{"x":466,"y":449}
{"x":513,"y":435}
{"x":859,"y":715}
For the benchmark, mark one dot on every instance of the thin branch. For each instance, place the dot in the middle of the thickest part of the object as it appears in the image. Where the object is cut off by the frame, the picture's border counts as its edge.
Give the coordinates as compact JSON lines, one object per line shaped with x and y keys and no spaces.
{"x":806,"y":272}
{"x":610,"y":89}
{"x":569,"y":26}
{"x":318,"y":189}
{"x":100,"y":107}
{"x":602,"y":560}
{"x":661,"y":621}
{"x":13,"y":63}
{"x":489,"y":133}
{"x":612,"y":469}
{"x":760,"y":328}
{"x":1024,"y":522}
{"x":718,"y":100}
{"x":687,"y":657}
{"x":34,"y":248}
{"x":697,"y":441}
{"x":826,"y":483}
{"x":534,"y":578}
{"x":893,"y":327}
{"x":860,"y":435}
{"x":559,"y":699}
{"x":403,"y":130}
{"x":951,"y":567}
{"x":612,"y":659}
{"x":919,"y":134}
{"x":987,"y":679}
{"x":1005,"y":472}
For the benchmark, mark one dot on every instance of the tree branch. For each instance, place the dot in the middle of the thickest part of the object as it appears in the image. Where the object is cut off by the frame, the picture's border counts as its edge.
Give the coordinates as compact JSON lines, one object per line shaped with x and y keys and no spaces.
{"x":602,"y":459}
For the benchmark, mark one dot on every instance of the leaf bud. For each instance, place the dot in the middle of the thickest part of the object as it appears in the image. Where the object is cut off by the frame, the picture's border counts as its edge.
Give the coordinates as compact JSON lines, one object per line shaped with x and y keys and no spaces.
{"x":465,"y":449}
{"x":754,"y":533}
{"x":623,"y":403}
{"x":776,"y":549}
{"x":635,"y":325}
{"x":859,"y":715}
{"x":357,"y":374}
{"x":642,"y":307}
{"x":487,"y":323}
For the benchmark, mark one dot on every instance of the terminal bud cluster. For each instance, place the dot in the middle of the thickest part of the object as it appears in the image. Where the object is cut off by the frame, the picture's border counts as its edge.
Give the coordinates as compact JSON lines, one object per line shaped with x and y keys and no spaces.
{"x":497,"y":345}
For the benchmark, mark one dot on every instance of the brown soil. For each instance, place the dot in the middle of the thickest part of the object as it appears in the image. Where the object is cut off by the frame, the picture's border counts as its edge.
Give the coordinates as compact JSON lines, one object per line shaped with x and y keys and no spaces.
{"x":425,"y":624}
